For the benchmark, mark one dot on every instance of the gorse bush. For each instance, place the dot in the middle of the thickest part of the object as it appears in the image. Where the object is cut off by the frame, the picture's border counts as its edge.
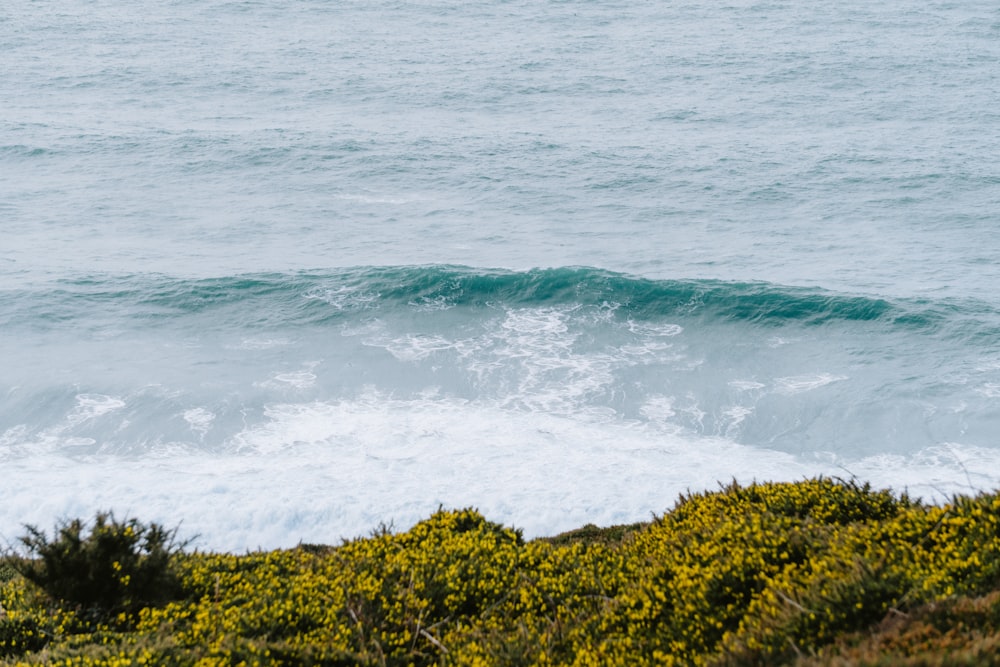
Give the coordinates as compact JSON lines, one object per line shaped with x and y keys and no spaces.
{"x":106,"y":574}
{"x":818,"y":572}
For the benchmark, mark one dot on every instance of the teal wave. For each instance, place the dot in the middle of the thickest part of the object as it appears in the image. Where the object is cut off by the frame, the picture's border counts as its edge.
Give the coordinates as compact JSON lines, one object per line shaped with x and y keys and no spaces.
{"x":315,"y":297}
{"x":640,"y":297}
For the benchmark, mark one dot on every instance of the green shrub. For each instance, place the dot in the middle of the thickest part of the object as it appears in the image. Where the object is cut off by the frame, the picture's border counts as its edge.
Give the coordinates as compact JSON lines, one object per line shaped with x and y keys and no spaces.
{"x":591,"y":534}
{"x":107,"y":575}
{"x":955,"y":631}
{"x":19,"y":635}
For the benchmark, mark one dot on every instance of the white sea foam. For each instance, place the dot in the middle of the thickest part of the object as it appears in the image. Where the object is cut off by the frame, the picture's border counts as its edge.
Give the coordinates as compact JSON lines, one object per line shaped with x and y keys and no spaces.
{"x":300,"y":379}
{"x":13,"y":435}
{"x":733,"y":417}
{"x":64,"y":437}
{"x":344,"y":298}
{"x":697,"y":415}
{"x":933,"y":473}
{"x":654,"y":328}
{"x":648,"y":352}
{"x":801,"y":383}
{"x":431,"y":305}
{"x":319,"y":471}
{"x":552,"y":376}
{"x":659,"y":408}
{"x":530,"y":355}
{"x":93,"y":406}
{"x":200,"y":419}
{"x":413,"y":347}
{"x":746,"y":385}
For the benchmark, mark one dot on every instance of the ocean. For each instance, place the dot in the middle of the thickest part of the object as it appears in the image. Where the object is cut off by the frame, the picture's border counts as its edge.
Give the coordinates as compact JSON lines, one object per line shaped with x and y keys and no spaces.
{"x":286,"y":271}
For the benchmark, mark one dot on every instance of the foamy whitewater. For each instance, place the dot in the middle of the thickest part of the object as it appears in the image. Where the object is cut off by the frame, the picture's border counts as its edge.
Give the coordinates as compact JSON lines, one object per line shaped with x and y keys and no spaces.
{"x":284,"y":271}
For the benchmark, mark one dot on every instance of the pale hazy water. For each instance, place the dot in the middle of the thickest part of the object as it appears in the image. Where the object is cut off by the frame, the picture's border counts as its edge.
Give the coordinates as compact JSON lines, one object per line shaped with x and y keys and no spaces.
{"x":284,"y":270}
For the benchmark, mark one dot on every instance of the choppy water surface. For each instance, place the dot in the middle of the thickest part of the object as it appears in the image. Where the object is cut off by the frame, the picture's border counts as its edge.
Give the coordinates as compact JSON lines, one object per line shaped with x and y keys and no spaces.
{"x":284,"y":270}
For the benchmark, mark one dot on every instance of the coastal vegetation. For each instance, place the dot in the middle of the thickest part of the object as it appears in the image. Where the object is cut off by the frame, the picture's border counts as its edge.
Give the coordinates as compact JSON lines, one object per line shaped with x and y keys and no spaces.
{"x":816,"y":572}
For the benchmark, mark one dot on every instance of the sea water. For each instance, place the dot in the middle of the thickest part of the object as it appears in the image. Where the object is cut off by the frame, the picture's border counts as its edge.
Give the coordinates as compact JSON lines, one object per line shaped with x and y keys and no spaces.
{"x":284,"y":270}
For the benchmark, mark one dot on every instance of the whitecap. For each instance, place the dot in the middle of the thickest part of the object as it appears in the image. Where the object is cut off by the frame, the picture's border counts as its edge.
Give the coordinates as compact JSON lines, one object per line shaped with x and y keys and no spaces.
{"x":745,"y":385}
{"x":343,"y":298}
{"x":654,"y":328}
{"x":92,"y":406}
{"x":733,"y":417}
{"x":296,"y":379}
{"x":414,"y":347}
{"x":199,"y":419}
{"x":802,"y":383}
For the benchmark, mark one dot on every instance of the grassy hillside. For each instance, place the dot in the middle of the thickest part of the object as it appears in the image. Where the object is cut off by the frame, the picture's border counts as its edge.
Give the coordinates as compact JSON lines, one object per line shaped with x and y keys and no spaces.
{"x":818,"y":572}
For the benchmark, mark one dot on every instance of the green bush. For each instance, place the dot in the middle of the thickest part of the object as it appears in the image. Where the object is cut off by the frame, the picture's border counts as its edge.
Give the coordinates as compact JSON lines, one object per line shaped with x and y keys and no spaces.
{"x":107,"y":575}
{"x":18,"y":635}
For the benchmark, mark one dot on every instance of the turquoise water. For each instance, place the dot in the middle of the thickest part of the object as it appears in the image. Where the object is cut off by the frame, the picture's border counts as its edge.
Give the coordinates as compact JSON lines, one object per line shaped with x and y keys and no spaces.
{"x":286,"y":270}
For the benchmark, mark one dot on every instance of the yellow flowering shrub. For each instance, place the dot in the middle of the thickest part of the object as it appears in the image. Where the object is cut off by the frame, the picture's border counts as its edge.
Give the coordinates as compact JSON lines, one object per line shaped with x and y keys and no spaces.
{"x":861,"y":573}
{"x":551,"y":611}
{"x":748,"y":575}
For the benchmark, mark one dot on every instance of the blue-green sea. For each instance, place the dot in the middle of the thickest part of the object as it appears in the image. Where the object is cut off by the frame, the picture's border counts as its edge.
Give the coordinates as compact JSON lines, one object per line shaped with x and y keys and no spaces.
{"x":285,"y":270}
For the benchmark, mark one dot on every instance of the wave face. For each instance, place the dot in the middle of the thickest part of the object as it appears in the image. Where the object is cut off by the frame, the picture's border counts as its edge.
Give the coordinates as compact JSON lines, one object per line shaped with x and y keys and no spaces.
{"x":311,"y":298}
{"x":455,"y":385}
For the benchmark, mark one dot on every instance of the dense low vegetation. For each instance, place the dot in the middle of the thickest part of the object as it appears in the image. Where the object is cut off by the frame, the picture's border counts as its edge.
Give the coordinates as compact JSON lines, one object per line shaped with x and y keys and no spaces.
{"x":818,"y":572}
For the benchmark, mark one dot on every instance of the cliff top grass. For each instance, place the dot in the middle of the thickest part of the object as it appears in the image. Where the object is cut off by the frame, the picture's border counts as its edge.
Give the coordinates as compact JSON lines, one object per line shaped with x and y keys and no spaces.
{"x":817,"y":572}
